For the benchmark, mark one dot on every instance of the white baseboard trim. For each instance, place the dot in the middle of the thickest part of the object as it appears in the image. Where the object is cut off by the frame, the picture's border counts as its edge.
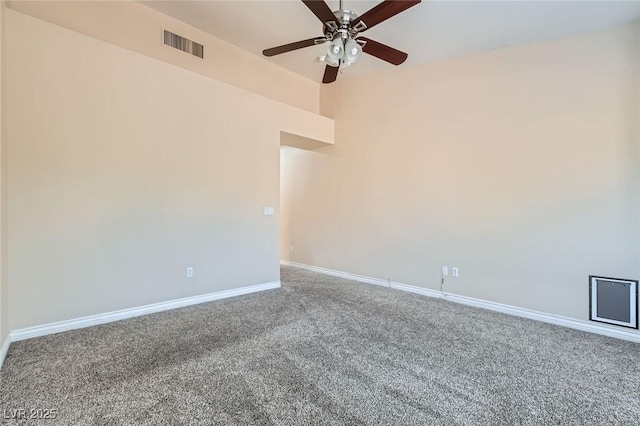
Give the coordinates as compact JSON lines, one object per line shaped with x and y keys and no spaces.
{"x":4,"y":349}
{"x":588,"y":326}
{"x":58,"y":327}
{"x":333,"y":273}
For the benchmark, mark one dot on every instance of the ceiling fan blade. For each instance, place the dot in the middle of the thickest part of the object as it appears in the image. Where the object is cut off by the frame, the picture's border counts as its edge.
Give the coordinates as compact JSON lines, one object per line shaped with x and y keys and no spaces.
{"x":382,"y":51}
{"x":321,"y":10}
{"x":293,"y":46}
{"x":330,"y":74}
{"x":384,"y":11}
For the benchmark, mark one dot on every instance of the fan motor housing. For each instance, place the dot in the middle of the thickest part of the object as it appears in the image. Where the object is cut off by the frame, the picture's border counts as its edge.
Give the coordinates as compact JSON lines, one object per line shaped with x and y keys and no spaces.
{"x":345,"y":18}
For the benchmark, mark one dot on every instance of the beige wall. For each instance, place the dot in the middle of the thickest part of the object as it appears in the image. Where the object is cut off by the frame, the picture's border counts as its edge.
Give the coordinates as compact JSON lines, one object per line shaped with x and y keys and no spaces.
{"x":634,"y":153}
{"x":4,"y":288}
{"x":287,"y":196}
{"x":519,"y":166}
{"x":131,"y":25}
{"x":124,"y":170}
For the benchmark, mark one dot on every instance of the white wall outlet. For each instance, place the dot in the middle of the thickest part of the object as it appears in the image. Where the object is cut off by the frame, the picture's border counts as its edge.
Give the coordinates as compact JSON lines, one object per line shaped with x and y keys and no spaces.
{"x":269,"y":211}
{"x":290,"y":249}
{"x":445,"y":271}
{"x":189,"y":272}
{"x":455,"y":272}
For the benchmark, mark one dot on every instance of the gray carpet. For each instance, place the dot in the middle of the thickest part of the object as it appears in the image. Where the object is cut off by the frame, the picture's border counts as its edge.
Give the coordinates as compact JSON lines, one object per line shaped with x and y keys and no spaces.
{"x":323,"y":350}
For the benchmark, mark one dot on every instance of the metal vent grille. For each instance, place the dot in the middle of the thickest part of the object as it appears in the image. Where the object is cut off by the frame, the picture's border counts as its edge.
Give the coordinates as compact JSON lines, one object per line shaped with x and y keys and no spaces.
{"x":614,"y":301}
{"x":184,"y":44}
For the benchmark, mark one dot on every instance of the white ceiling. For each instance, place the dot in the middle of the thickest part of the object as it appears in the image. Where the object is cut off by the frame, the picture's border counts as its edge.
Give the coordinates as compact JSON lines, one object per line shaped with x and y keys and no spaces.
{"x":429,"y":31}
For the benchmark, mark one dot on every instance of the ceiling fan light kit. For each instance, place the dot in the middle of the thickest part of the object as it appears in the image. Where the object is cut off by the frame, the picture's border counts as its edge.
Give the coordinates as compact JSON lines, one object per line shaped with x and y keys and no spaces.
{"x":342,"y":29}
{"x":335,"y":53}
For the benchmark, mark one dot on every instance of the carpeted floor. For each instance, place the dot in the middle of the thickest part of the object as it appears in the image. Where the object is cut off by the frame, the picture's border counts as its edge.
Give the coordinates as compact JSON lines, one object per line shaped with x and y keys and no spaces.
{"x":323,"y":350}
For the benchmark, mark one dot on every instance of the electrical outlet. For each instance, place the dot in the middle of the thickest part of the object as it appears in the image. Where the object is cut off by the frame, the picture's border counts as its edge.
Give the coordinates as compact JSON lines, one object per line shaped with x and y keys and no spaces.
{"x":455,"y":272}
{"x":445,"y":271}
{"x":189,"y":272}
{"x":290,"y":249}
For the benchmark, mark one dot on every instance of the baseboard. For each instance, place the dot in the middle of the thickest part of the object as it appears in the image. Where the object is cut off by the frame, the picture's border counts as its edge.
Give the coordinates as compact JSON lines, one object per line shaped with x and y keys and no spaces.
{"x":59,"y":327}
{"x":334,"y":273}
{"x":4,"y":349}
{"x":588,"y":326}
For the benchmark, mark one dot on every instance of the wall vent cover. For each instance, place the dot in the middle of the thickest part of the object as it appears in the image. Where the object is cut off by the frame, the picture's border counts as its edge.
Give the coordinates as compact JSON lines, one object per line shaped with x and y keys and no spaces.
{"x":613,"y":301}
{"x":184,"y":44}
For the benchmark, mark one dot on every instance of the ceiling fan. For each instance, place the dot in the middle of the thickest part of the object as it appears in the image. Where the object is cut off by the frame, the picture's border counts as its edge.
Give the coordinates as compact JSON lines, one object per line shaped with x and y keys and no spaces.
{"x":342,"y":29}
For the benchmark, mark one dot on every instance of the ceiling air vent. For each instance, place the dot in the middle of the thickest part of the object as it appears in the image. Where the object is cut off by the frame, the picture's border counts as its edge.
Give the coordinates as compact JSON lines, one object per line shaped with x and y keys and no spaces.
{"x":184,"y":44}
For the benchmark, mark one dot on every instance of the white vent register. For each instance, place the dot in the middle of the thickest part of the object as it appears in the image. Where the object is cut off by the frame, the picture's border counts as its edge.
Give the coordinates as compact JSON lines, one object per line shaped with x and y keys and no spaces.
{"x":614,"y":301}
